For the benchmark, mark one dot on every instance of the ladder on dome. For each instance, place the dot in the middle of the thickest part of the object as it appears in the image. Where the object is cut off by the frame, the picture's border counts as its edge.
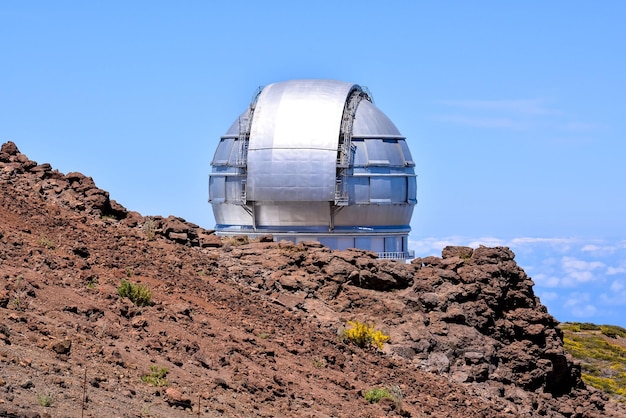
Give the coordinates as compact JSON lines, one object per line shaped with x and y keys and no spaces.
{"x":241,"y":159}
{"x":346,"y":149}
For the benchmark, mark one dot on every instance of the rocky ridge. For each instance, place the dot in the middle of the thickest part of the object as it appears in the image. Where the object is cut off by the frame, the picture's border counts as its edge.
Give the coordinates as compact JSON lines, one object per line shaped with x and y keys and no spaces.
{"x":251,"y":328}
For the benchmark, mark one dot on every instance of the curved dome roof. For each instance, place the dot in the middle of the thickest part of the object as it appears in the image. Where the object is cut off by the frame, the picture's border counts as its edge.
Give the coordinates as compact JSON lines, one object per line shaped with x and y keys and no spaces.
{"x":369,"y":121}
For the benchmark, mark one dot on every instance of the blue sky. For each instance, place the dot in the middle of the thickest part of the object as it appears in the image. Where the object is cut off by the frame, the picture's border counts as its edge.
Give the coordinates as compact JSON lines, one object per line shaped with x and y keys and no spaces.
{"x":513,"y":111}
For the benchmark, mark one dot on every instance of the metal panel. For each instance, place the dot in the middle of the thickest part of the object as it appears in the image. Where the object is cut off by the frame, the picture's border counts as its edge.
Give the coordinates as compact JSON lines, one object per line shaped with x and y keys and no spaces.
{"x":370,"y":122}
{"x":294,"y":138}
{"x":226,"y":215}
{"x":302,"y":214}
{"x":398,"y":216}
{"x":359,"y":190}
{"x":343,"y":243}
{"x":360,"y":153}
{"x":398,"y":189}
{"x":222,"y":154}
{"x":380,"y":189}
{"x":217,"y":189}
{"x":408,"y":160}
{"x":233,"y":131}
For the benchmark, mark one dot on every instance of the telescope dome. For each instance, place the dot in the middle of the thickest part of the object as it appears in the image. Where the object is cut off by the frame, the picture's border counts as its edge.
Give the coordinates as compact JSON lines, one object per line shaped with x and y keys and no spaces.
{"x":315,"y":160}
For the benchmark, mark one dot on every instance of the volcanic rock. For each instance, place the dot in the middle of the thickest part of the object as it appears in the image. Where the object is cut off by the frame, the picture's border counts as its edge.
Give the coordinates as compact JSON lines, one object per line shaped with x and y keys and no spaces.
{"x":254,"y":327}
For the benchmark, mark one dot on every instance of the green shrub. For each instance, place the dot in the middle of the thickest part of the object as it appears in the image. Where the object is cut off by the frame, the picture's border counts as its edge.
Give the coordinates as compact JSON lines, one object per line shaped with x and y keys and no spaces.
{"x":588,"y":326}
{"x":44,"y":400}
{"x":92,"y":282}
{"x":318,"y":364}
{"x":613,"y":331}
{"x":363,"y":335}
{"x":376,"y":394}
{"x":138,"y":294}
{"x":391,"y":392}
{"x":149,"y":229}
{"x":46,"y":242}
{"x":156,"y":377}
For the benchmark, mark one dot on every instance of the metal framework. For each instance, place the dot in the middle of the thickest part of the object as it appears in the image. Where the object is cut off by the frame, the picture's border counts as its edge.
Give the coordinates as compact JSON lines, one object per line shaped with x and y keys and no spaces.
{"x":345,"y":150}
{"x":241,"y":160}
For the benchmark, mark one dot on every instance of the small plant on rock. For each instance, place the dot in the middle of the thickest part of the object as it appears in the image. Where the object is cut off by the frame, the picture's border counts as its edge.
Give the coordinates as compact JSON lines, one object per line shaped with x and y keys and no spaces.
{"x":19,"y":300}
{"x":156,"y":377}
{"x":363,"y":335}
{"x":47,"y":243}
{"x":149,"y":229}
{"x":138,"y":294}
{"x":235,"y":240}
{"x":92,"y":282}
{"x":44,"y":400}
{"x":130,"y":272}
{"x":318,"y":364}
{"x":376,"y":394}
{"x":391,"y":392}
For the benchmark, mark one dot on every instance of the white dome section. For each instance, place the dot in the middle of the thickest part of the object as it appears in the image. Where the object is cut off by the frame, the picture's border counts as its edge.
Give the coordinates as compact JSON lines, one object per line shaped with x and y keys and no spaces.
{"x":292,"y":151}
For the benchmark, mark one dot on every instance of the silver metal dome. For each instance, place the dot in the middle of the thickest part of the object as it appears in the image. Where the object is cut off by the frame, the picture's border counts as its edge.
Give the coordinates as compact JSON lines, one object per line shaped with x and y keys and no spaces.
{"x":315,"y":160}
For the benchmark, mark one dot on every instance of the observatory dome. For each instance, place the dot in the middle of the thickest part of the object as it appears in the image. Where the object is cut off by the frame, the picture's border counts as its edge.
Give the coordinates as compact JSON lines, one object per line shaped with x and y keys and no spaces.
{"x":315,"y":160}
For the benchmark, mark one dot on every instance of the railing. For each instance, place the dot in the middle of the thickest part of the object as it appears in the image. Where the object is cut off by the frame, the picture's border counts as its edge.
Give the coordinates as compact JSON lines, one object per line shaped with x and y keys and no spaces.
{"x":393,"y":255}
{"x":341,"y":196}
{"x":241,"y":160}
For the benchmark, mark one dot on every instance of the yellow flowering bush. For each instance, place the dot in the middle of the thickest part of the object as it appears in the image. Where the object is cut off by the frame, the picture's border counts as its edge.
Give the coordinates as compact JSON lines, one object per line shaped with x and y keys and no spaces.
{"x":363,"y":334}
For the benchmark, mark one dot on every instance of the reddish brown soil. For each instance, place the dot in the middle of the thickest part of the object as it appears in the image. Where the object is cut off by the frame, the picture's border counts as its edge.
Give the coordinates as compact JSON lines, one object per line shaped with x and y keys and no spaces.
{"x":252,"y":329}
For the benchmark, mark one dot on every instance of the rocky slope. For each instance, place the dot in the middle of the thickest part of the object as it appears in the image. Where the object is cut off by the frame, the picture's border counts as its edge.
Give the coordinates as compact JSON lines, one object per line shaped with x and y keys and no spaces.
{"x":252,"y":329}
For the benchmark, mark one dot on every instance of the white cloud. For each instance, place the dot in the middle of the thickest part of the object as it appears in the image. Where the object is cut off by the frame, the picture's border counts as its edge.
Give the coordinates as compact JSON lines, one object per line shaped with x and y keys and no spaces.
{"x":571,"y":264}
{"x":433,"y":246}
{"x":488,"y":242}
{"x":579,"y":271}
{"x":516,"y":106}
{"x":579,"y":306}
{"x":617,"y":286}
{"x":548,"y":296}
{"x":546,"y":280}
{"x":482,"y":121}
{"x":615,"y":270}
{"x":515,"y":114}
{"x":616,"y":298}
{"x":599,"y":250}
{"x":536,"y":240}
{"x":584,"y":311}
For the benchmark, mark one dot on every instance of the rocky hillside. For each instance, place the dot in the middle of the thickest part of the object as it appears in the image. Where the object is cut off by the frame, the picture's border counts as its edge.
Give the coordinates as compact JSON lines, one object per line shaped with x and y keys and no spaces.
{"x":254,"y":329}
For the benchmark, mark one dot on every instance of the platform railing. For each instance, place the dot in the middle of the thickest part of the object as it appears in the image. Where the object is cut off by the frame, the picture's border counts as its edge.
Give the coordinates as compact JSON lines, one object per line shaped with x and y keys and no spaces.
{"x":393,"y":255}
